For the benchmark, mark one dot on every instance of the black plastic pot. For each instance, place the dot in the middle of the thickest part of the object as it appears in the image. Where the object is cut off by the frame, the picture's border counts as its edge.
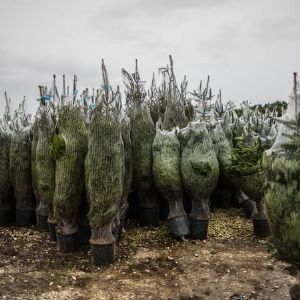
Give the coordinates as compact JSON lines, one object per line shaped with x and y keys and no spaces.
{"x":6,"y":216}
{"x":249,"y":208}
{"x":103,"y":255}
{"x":41,"y":223}
{"x":179,"y":226}
{"x":84,"y":234}
{"x":68,"y":242}
{"x":198,"y":228}
{"x":149,"y":216}
{"x":295,"y":292}
{"x":52,"y":231}
{"x":25,"y":217}
{"x":261,"y":228}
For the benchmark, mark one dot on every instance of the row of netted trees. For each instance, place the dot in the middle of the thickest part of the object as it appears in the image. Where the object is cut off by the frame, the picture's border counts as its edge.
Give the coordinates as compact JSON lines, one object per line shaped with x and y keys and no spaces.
{"x":75,"y":164}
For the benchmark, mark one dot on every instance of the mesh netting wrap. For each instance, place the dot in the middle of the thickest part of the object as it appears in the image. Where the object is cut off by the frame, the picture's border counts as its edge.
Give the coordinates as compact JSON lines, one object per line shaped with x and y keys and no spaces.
{"x":104,"y":169}
{"x":221,"y":146}
{"x":127,"y":181}
{"x":167,"y":178}
{"x":44,"y":165}
{"x":6,"y":198}
{"x":199,"y":167}
{"x":104,"y":175}
{"x":34,"y":140}
{"x":20,"y":169}
{"x":142,"y":134}
{"x":282,"y":195}
{"x":5,"y":184}
{"x":68,"y":148}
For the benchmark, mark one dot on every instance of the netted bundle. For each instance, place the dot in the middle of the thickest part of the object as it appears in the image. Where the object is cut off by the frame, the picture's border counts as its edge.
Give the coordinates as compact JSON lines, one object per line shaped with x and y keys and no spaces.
{"x":127,"y":179}
{"x":34,"y":140}
{"x":282,"y":195}
{"x":5,"y":185}
{"x":104,"y":169}
{"x":199,"y":167}
{"x":6,"y":199}
{"x":253,"y":186}
{"x":20,"y":170}
{"x":6,"y":203}
{"x":221,"y":197}
{"x":68,"y":148}
{"x":167,"y":178}
{"x":45,"y":168}
{"x":221,"y":146}
{"x":142,"y":135}
{"x":104,"y":175}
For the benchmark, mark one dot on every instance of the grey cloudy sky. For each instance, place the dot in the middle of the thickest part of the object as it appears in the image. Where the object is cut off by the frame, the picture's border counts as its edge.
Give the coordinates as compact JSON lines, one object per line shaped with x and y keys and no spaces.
{"x":250,"y":48}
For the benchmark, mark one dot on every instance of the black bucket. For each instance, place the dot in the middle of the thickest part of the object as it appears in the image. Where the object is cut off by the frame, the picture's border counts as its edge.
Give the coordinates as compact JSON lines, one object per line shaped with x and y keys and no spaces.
{"x":179,"y":226}
{"x":41,"y":223}
{"x":68,"y":243}
{"x":198,"y":229}
{"x":149,"y":216}
{"x":261,"y":228}
{"x":52,"y":231}
{"x":103,"y":255}
{"x":25,"y":217}
{"x":6,"y":216}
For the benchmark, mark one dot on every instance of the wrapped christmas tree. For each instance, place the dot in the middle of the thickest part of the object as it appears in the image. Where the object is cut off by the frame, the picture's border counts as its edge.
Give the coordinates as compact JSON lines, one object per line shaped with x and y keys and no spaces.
{"x":127,"y":176}
{"x":282,"y":196}
{"x":6,"y":197}
{"x":167,"y":178}
{"x":20,"y":168}
{"x":45,"y":169}
{"x":104,"y":169}
{"x":34,"y":139}
{"x":246,"y":169}
{"x":200,"y":172}
{"x":68,"y":149}
{"x":142,"y":136}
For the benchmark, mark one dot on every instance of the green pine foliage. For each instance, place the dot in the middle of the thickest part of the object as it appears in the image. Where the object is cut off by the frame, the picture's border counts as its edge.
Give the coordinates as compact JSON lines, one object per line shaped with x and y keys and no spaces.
{"x":57,"y":146}
{"x":245,"y":160}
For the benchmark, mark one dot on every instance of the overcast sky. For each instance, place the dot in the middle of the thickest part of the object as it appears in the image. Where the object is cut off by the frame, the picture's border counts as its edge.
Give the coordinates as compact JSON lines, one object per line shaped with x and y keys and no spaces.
{"x":250,"y":48}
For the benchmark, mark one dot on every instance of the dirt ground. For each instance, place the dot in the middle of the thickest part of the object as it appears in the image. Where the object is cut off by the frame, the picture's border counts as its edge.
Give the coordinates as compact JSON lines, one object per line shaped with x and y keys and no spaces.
{"x":149,"y":264}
